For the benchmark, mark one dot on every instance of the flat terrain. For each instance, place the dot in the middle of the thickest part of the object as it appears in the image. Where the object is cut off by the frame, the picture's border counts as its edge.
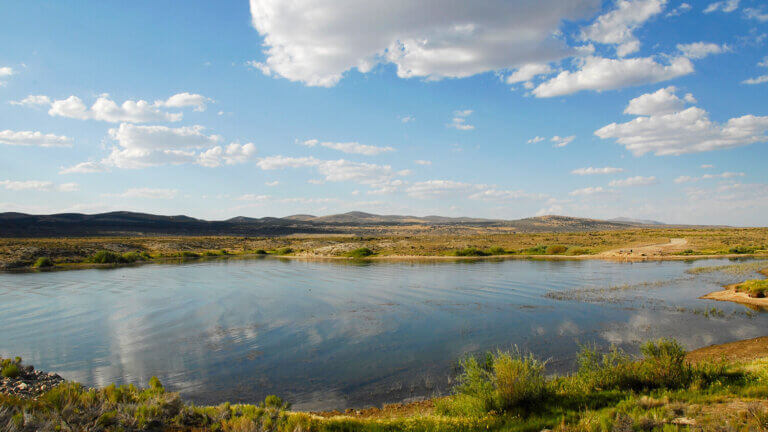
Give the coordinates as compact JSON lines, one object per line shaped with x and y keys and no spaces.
{"x":435,"y":241}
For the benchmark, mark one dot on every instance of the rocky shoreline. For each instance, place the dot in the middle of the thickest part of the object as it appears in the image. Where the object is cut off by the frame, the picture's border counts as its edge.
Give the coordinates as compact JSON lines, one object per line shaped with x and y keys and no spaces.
{"x":29,"y":383}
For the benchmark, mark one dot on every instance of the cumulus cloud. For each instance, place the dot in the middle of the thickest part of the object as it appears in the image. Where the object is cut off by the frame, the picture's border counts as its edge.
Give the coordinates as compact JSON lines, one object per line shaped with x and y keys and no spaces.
{"x":617,"y":26}
{"x":536,"y":139}
{"x":232,"y":154}
{"x":562,"y":141}
{"x":33,"y":138}
{"x":683,"y":8}
{"x":724,"y":6}
{"x":699,"y":50}
{"x":5,"y":72}
{"x":459,"y":120}
{"x":38,"y":185}
{"x":663,"y":101}
{"x":633,"y":181}
{"x":106,"y":109}
{"x":148,"y":193}
{"x":724,"y":175}
{"x":349,"y":147}
{"x":756,"y":14}
{"x":658,"y":130}
{"x":340,"y":170}
{"x":760,"y":79}
{"x":316,"y":42}
{"x":593,"y":171}
{"x":588,"y":191}
{"x":599,"y":74}
{"x":85,"y":168}
{"x":527,"y":72}
{"x":186,"y":99}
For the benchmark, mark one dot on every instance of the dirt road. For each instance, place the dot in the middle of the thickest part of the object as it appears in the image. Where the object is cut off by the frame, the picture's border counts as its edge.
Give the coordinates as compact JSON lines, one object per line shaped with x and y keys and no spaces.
{"x":654,"y":250}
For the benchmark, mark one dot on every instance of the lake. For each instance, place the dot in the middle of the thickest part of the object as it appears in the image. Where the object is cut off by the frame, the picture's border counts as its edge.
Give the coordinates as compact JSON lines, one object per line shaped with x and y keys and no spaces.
{"x":336,"y":334}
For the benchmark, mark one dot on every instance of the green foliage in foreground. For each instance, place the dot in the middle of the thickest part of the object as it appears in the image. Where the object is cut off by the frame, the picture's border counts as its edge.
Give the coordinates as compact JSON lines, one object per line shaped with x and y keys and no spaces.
{"x":360,"y":253}
{"x":505,"y":391}
{"x":43,"y":262}
{"x":757,"y":288}
{"x":10,"y":368}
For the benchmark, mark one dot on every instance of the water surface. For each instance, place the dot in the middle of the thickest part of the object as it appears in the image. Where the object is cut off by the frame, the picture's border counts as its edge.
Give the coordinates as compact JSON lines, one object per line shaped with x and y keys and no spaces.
{"x":332,"y":335}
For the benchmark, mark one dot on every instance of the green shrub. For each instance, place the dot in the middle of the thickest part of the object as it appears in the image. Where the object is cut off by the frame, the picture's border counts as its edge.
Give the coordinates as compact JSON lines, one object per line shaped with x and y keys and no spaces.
{"x":284,"y":251}
{"x":742,"y":250}
{"x":43,"y":262}
{"x":260,"y":252}
{"x":470,"y":251}
{"x":496,"y":250}
{"x":131,"y":257}
{"x":504,"y":381}
{"x":579,"y":251}
{"x":107,"y":257}
{"x":556,"y":249}
{"x":359,"y":253}
{"x":536,"y":250}
{"x":189,"y":254}
{"x":756,"y":288}
{"x":10,"y":371}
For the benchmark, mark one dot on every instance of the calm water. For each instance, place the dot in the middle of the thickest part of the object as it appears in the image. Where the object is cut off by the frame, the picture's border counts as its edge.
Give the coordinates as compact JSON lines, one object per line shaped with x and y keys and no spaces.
{"x":328,"y":335}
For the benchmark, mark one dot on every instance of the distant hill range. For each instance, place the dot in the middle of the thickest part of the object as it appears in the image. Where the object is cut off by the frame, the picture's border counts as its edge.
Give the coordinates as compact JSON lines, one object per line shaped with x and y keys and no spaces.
{"x":129,"y":223}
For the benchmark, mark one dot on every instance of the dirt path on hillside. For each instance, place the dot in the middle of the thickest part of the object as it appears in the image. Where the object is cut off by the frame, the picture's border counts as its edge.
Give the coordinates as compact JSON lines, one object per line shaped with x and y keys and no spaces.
{"x":649,"y":251}
{"x":745,"y":350}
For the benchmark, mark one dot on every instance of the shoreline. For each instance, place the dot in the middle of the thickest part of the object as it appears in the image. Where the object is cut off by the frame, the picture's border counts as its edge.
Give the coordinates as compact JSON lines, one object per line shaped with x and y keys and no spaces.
{"x":382,"y":258}
{"x":730,"y":294}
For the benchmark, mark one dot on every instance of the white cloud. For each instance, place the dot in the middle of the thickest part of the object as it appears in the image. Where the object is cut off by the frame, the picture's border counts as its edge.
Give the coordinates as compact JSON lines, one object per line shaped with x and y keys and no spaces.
{"x":105,"y":109}
{"x":599,"y":74}
{"x":528,"y":72}
{"x":761,"y":79}
{"x":588,"y":191}
{"x":501,"y":195}
{"x":33,"y":100}
{"x":32,"y":138}
{"x":5,"y":72}
{"x":234,"y":153}
{"x":422,"y":162}
{"x":272,"y":183}
{"x":407,"y":119}
{"x":562,"y":141}
{"x":436,"y":188}
{"x":756,"y":14}
{"x":536,"y":139}
{"x":725,"y":175}
{"x":617,"y":26}
{"x":686,"y":131}
{"x":707,"y":166}
{"x":663,"y":101}
{"x":84,"y":168}
{"x":340,"y":170}
{"x":459,"y":120}
{"x":186,"y":99}
{"x":593,"y":171}
{"x":685,"y":179}
{"x":683,"y":8}
{"x":633,"y":181}
{"x":37,"y":185}
{"x":725,"y":6}
{"x":699,"y":50}
{"x":148,"y":193}
{"x":350,"y":147}
{"x":316,"y":42}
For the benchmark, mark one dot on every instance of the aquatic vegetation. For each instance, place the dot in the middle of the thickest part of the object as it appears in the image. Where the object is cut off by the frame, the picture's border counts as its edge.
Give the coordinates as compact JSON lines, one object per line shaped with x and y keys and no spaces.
{"x":43,"y":262}
{"x":734,"y":269}
{"x":470,"y":252}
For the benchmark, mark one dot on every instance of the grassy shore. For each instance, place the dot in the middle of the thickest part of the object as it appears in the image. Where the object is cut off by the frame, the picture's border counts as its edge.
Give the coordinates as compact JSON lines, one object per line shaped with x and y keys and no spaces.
{"x":75,"y":252}
{"x":504,"y":391}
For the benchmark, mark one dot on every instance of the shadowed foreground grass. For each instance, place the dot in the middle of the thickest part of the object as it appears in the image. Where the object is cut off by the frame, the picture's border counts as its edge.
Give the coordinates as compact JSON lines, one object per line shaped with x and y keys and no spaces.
{"x":505,"y":391}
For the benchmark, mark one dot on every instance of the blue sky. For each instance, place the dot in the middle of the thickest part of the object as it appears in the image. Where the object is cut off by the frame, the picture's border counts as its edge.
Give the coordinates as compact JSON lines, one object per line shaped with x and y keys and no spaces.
{"x":506,"y":109}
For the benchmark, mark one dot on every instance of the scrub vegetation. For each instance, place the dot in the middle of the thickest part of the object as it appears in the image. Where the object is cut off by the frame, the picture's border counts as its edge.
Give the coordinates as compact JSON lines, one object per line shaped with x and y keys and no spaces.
{"x":20,"y":253}
{"x":662,"y":390}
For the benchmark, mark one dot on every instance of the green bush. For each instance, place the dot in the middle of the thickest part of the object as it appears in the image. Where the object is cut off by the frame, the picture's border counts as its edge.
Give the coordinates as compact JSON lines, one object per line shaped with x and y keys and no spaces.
{"x":536,"y":250}
{"x":131,"y":257}
{"x":107,"y":257}
{"x":43,"y":262}
{"x":504,"y":381}
{"x":556,"y":249}
{"x":359,"y":253}
{"x":260,"y":252}
{"x":742,"y":250}
{"x":756,"y":288}
{"x":189,"y":254}
{"x":10,"y":371}
{"x":496,"y":250}
{"x":470,"y":251}
{"x":579,"y":251}
{"x":284,"y":251}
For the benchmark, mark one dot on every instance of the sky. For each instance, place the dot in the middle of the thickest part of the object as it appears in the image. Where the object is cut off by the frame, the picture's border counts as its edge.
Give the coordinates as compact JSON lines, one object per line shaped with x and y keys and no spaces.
{"x":649,"y":109}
